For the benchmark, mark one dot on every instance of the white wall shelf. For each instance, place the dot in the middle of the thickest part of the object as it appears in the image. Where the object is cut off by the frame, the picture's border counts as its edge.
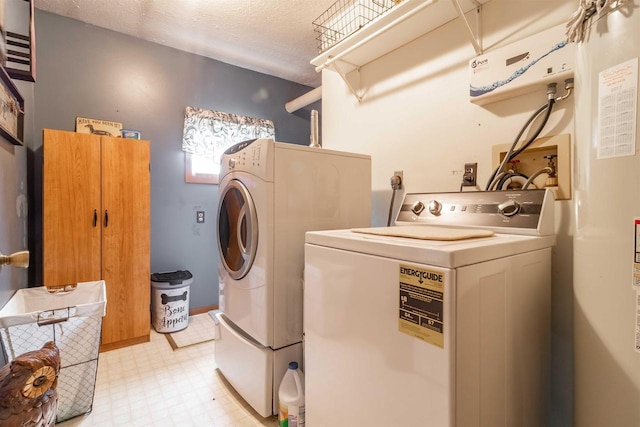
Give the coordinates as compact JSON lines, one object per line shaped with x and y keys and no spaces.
{"x":402,"y":24}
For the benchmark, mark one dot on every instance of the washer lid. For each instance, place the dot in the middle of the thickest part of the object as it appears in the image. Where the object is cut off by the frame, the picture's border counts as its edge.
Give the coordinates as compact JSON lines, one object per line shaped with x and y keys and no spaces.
{"x":426,"y":232}
{"x":440,"y":253}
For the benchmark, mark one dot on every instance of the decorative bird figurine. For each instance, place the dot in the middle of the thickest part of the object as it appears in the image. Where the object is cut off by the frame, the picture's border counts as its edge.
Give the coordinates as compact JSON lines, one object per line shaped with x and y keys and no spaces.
{"x":28,"y":396}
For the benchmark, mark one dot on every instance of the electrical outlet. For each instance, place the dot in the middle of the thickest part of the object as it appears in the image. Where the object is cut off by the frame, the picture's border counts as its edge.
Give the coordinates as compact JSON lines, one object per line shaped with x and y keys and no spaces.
{"x":470,"y":175}
{"x":200,"y":217}
{"x":397,"y":185}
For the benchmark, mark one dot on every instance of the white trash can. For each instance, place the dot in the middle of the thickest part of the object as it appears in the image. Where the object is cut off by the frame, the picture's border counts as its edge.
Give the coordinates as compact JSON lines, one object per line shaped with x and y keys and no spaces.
{"x":170,"y":300}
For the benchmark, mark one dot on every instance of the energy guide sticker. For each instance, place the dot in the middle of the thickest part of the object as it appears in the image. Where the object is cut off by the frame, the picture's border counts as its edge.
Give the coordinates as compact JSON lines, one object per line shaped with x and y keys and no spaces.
{"x":421,"y":304}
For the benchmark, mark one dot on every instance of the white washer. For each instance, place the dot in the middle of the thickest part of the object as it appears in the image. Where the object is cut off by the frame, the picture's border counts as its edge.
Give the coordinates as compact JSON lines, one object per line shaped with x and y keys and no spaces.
{"x":271,"y":193}
{"x":410,"y":332}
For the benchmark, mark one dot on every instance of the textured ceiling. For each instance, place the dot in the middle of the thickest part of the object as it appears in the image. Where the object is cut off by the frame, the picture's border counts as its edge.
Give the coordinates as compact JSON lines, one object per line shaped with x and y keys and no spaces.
{"x":274,"y":37}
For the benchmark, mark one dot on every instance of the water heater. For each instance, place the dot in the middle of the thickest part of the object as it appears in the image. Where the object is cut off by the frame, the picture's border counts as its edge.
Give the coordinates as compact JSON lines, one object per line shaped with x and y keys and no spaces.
{"x":521,"y":67}
{"x":606,"y":303}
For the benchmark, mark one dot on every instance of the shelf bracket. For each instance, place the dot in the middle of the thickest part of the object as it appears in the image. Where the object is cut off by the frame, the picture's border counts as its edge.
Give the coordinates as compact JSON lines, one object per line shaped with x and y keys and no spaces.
{"x":338,"y":70}
{"x":476,"y":40}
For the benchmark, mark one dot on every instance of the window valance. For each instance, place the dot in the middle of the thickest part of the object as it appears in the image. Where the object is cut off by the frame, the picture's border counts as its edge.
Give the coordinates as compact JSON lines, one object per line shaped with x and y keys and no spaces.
{"x":208,"y":133}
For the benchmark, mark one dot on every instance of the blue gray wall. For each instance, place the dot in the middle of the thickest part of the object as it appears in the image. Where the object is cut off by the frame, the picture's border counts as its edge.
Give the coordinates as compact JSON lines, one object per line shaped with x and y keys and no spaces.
{"x":13,"y":233}
{"x":13,"y":214}
{"x":13,"y":202}
{"x":86,"y":71}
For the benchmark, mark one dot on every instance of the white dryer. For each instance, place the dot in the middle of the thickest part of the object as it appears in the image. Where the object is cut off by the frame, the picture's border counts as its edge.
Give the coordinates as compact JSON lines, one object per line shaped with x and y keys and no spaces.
{"x":405,"y":330}
{"x":271,"y":193}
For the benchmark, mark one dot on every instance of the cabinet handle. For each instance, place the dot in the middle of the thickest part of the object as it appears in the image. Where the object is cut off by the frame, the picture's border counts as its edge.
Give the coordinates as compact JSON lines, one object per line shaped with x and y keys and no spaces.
{"x":106,"y":218}
{"x":95,"y":217}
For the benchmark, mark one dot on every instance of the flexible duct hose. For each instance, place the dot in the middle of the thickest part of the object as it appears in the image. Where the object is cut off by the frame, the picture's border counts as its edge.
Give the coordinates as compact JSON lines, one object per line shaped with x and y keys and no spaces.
{"x":511,"y":154}
{"x":546,"y":170}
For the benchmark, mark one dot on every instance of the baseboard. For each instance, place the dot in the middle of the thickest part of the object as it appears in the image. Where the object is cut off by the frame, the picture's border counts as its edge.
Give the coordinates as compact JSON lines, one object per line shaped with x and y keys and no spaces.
{"x":139,"y":340}
{"x":201,"y":310}
{"x":124,"y":343}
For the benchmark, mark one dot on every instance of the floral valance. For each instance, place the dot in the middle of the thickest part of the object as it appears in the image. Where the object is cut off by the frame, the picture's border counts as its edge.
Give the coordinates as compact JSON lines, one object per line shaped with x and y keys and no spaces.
{"x":208,"y":133}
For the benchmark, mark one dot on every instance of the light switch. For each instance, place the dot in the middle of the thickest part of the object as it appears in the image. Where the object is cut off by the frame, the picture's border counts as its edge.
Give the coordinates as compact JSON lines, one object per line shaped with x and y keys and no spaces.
{"x":200,"y":217}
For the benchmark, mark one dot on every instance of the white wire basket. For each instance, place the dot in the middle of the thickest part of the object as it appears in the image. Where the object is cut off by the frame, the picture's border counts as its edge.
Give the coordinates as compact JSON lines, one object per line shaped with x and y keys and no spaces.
{"x":73,"y":321}
{"x":345,"y":17}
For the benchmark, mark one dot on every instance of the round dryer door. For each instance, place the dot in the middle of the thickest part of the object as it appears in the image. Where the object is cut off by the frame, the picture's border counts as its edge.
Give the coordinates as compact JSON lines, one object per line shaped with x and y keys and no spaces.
{"x":237,"y":229}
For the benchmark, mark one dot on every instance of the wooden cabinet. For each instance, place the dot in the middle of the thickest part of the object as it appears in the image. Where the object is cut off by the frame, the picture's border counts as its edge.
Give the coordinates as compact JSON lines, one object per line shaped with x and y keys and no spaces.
{"x":96,"y":219}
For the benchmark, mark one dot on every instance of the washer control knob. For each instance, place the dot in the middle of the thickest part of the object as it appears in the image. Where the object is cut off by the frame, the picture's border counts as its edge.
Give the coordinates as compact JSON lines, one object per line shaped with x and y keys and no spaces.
{"x":509,"y":208}
{"x":417,"y":207}
{"x":232,"y":163}
{"x":435,"y":207}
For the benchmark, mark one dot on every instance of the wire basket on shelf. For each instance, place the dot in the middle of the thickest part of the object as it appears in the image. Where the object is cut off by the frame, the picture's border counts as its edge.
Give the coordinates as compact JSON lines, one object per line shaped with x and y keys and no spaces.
{"x":345,"y":17}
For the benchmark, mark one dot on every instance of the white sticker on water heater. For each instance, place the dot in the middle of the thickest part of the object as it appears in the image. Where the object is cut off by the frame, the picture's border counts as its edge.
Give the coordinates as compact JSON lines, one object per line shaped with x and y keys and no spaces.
{"x":636,"y":255}
{"x":617,"y":105}
{"x":638,"y":322}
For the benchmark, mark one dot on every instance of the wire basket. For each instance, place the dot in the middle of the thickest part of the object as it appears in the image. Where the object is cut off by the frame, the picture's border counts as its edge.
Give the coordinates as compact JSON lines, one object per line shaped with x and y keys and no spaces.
{"x":345,"y":17}
{"x":32,"y":317}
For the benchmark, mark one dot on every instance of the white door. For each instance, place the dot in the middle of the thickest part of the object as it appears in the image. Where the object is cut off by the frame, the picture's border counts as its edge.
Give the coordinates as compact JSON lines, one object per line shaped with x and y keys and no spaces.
{"x":237,"y":229}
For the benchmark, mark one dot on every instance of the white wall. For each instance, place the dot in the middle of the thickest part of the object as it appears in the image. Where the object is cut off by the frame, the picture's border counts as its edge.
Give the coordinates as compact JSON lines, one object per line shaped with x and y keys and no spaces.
{"x":416,"y":117}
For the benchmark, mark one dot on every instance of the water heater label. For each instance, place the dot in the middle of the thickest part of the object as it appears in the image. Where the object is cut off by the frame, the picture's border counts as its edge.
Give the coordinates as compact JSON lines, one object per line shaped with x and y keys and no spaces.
{"x":421,"y":302}
{"x":637,"y":322}
{"x":636,"y":254}
{"x":617,"y":108}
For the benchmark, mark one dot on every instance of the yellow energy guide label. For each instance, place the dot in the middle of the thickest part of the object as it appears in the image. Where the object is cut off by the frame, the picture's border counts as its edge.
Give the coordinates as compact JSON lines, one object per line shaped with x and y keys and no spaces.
{"x":422,"y":304}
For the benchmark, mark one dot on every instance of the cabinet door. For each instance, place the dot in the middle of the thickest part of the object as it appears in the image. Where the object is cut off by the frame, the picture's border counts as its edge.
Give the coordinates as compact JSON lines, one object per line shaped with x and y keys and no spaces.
{"x":125,"y":240}
{"x":71,"y":198}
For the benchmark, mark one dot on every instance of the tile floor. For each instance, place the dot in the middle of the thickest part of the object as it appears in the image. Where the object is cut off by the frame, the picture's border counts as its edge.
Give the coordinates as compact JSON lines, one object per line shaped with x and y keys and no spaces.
{"x":150,"y":384}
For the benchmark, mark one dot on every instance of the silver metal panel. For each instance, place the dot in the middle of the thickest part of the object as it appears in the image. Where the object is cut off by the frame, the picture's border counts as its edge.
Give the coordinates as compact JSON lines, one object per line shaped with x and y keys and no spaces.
{"x":515,"y":212}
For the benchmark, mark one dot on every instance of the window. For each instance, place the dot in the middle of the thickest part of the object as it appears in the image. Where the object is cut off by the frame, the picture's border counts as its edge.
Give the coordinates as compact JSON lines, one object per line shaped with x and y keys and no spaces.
{"x":207,"y":134}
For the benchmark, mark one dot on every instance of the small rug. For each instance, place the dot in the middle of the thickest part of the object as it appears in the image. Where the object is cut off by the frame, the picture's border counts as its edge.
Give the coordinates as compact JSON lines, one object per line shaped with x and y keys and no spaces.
{"x":201,"y":328}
